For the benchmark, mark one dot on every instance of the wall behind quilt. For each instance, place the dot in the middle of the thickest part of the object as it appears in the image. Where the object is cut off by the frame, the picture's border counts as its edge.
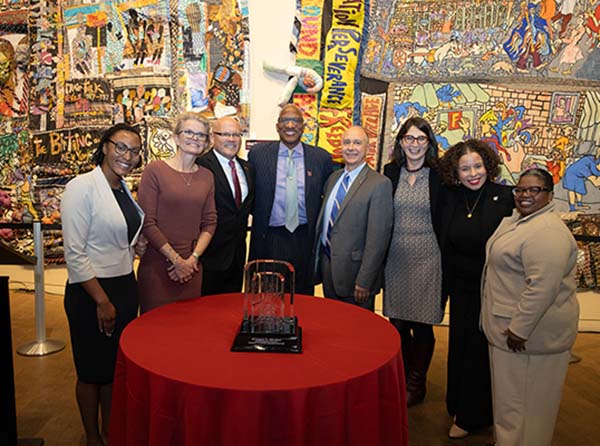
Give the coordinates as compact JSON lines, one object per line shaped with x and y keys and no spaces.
{"x":24,"y":154}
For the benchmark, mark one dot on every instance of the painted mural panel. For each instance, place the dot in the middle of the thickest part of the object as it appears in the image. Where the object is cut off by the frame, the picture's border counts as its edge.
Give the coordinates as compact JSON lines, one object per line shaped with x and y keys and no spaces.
{"x":141,"y":96}
{"x":44,"y":72}
{"x":526,"y":125}
{"x":484,"y":38}
{"x":88,"y":102}
{"x":71,"y":68}
{"x":372,"y":111}
{"x":14,"y":58}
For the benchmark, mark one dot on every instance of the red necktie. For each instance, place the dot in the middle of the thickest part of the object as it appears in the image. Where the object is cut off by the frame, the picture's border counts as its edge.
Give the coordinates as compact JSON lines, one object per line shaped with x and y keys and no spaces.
{"x":236,"y":184}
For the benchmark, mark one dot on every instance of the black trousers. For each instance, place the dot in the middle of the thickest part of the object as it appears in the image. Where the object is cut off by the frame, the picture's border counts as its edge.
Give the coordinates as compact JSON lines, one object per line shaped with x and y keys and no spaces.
{"x":226,"y":281}
{"x":295,"y":248}
{"x":469,"y":391}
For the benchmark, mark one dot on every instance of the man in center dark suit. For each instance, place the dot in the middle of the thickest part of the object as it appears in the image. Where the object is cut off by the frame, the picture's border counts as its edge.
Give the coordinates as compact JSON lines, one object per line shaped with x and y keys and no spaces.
{"x":354,"y":226}
{"x":289,"y":184}
{"x":224,"y":259}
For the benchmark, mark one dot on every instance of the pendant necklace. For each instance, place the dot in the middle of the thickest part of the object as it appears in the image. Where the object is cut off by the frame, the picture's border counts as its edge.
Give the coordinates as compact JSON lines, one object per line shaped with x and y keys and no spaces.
{"x":188,"y":181}
{"x":188,"y":176}
{"x":471,"y":209}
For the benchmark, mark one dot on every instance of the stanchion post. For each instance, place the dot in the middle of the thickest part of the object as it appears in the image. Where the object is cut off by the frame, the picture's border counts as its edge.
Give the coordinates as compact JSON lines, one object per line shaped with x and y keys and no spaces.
{"x":41,"y":346}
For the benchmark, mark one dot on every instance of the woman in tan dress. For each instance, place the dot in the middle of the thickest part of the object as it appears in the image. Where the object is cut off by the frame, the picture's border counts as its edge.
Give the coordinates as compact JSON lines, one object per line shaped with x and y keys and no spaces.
{"x":178,"y":198}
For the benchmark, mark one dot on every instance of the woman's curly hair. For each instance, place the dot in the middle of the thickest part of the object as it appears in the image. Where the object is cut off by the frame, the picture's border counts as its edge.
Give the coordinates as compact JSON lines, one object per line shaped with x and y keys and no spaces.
{"x":449,"y":162}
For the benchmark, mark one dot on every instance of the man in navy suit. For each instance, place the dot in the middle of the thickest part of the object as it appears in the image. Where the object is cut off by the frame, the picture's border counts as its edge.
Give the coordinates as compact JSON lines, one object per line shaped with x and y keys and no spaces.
{"x":290,"y":177}
{"x":224,"y":259}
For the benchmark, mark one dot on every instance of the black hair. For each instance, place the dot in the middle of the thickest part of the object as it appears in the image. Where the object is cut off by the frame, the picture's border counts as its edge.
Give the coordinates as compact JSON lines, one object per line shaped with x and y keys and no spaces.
{"x":449,"y":162}
{"x":431,"y":157}
{"x":98,"y":155}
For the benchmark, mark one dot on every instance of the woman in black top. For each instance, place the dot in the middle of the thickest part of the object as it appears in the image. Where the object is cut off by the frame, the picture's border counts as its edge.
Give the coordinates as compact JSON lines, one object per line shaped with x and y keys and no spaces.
{"x":471,"y":208}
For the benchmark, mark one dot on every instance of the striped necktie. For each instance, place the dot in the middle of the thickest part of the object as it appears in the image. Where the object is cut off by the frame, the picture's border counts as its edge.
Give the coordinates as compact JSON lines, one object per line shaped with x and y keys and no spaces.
{"x":337,"y":203}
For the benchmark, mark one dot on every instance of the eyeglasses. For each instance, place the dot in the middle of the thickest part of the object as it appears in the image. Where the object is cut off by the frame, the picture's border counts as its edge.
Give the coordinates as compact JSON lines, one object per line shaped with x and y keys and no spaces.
{"x":292,"y":120}
{"x":409,"y":139}
{"x":191,"y":134}
{"x":121,"y":148}
{"x":228,"y":134}
{"x":533,"y":191}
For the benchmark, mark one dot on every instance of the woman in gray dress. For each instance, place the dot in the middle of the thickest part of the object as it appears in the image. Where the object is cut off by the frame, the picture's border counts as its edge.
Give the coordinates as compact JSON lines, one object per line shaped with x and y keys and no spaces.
{"x":413,"y":272}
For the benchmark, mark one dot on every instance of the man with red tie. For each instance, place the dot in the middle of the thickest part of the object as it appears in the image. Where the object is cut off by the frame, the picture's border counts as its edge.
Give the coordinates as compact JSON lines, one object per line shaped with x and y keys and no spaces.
{"x":224,"y":259}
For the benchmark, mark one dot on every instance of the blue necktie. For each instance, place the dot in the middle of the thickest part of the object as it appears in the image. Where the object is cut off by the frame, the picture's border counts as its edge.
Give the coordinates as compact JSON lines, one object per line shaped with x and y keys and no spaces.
{"x":337,"y":203}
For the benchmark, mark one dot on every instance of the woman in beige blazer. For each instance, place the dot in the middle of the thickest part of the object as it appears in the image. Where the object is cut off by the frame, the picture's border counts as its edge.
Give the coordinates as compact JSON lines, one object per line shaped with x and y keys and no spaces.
{"x":529,"y":313}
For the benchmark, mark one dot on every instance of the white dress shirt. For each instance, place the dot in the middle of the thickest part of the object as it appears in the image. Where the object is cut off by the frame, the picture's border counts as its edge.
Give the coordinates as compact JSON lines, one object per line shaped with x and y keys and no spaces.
{"x":224,"y":161}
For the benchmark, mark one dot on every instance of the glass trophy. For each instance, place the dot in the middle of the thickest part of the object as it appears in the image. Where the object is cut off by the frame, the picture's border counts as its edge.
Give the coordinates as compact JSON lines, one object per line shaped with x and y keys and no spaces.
{"x":269,"y":324}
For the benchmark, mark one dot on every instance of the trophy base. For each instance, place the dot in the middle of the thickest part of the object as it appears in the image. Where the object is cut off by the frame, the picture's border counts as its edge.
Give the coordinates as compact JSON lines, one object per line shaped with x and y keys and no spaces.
{"x":268,"y":342}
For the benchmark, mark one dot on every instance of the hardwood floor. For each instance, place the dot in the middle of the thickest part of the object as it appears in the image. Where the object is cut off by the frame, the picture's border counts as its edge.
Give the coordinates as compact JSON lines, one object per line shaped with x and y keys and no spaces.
{"x":46,"y":405}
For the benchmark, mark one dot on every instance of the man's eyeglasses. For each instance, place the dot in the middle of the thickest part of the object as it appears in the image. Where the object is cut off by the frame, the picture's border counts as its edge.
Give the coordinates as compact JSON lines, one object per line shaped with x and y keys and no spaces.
{"x":228,"y":134}
{"x":191,"y":134}
{"x":409,"y":139}
{"x":121,"y":148}
{"x":292,"y":120}
{"x":532,"y":191}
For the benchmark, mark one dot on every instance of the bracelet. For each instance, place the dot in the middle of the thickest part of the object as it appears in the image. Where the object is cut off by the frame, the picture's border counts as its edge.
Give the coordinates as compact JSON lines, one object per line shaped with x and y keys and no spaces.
{"x":196,"y":256}
{"x":175,"y":256}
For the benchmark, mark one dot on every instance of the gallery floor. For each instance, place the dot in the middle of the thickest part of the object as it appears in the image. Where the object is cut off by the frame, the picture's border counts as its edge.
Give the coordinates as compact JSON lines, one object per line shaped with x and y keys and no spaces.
{"x":46,"y":404}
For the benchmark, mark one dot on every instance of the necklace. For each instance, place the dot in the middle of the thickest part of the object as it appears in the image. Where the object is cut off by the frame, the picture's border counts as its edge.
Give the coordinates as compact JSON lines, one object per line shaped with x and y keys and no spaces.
{"x":471,"y":209}
{"x":186,"y":175}
{"x":413,"y":170}
{"x":187,"y":180}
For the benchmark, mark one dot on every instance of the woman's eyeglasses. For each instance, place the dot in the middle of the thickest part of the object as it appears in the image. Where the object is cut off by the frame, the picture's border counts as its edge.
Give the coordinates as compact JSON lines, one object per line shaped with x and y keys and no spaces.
{"x":191,"y":134}
{"x":409,"y":139}
{"x":121,"y":148}
{"x":532,"y":191}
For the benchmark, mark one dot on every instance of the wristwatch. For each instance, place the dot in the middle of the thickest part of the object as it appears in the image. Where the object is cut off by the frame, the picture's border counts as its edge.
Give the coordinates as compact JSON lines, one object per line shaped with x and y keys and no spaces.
{"x":196,"y":256}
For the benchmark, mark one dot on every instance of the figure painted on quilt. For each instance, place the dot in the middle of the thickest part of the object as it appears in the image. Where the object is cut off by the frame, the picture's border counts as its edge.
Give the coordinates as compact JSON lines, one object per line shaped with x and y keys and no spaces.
{"x":576,"y":175}
{"x":7,"y":78}
{"x":529,"y":39}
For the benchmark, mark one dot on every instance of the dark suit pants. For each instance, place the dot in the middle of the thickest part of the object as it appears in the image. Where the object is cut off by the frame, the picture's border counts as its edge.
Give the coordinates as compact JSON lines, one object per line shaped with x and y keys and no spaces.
{"x":469,"y":388}
{"x":329,"y":289}
{"x":296,"y":248}
{"x":227,"y":281}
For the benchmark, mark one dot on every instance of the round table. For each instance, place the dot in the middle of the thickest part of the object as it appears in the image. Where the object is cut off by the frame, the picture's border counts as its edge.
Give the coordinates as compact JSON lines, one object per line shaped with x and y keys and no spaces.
{"x":177,"y":383}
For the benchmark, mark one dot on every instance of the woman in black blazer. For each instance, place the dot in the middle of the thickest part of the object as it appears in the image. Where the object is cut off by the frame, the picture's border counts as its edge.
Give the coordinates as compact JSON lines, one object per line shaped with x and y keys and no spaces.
{"x":471,"y":208}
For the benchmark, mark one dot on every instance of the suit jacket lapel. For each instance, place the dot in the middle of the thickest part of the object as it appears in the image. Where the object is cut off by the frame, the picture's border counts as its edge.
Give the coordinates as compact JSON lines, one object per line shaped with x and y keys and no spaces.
{"x":271,"y":162}
{"x":247,"y":176}
{"x":328,"y":189}
{"x":309,"y":168}
{"x":221,"y":182}
{"x":356,"y":184}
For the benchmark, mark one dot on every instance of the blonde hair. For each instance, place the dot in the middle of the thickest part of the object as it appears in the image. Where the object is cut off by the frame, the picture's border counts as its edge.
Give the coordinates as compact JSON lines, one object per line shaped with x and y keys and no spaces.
{"x":190,"y":116}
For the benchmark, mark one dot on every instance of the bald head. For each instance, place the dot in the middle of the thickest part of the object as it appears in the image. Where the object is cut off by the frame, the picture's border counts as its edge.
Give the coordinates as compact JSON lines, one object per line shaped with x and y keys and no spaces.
{"x":290,"y":125}
{"x":226,"y":136}
{"x":355,"y":143}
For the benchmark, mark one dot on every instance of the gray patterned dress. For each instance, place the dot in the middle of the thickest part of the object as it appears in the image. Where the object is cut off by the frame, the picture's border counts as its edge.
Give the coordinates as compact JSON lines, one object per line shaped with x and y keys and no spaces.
{"x":413,"y":272}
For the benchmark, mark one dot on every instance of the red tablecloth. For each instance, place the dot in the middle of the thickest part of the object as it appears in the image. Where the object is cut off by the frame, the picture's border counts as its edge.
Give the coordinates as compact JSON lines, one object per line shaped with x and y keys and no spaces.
{"x":177,"y":383}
